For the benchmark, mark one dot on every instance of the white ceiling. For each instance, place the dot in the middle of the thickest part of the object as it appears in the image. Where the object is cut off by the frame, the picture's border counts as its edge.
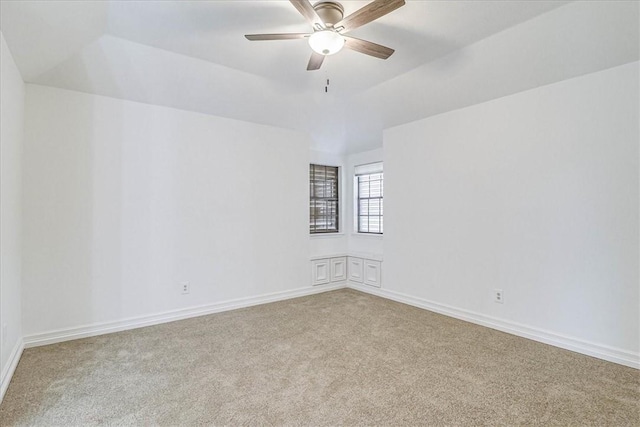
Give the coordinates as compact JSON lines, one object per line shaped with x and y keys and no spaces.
{"x":193,"y":56}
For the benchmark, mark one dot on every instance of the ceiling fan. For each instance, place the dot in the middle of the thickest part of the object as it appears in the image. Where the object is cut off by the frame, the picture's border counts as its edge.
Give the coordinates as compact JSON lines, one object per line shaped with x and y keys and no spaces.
{"x":330,"y":26}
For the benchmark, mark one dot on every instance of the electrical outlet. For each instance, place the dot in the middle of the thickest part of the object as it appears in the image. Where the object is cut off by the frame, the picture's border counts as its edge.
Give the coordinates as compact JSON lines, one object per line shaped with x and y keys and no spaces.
{"x":184,"y":287}
{"x":498,"y":296}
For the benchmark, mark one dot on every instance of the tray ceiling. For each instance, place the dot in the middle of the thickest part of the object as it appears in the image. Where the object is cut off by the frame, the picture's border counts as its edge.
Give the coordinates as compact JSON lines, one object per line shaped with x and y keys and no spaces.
{"x":192,"y":55}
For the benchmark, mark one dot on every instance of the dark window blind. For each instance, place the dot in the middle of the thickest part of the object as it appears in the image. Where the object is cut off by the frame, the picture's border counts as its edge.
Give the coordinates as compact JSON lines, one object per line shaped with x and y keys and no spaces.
{"x":323,"y":186}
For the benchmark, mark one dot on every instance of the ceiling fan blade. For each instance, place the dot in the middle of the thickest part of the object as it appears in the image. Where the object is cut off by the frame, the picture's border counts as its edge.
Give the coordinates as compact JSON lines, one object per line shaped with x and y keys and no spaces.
{"x":309,"y":13}
{"x":287,"y":36}
{"x":315,"y":62}
{"x":368,"y":48}
{"x":368,"y":13}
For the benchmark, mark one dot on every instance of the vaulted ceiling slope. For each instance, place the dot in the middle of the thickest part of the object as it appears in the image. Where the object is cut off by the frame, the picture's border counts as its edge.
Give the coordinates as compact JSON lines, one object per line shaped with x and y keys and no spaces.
{"x":193,"y":56}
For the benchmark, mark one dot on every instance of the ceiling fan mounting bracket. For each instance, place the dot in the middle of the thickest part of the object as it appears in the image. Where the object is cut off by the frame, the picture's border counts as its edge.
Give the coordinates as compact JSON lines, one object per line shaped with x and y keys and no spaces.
{"x":329,"y":11}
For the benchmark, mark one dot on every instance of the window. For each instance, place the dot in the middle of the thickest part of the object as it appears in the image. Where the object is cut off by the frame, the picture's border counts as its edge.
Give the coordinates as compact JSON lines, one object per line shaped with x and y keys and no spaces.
{"x":324,"y":212}
{"x":369,"y":186}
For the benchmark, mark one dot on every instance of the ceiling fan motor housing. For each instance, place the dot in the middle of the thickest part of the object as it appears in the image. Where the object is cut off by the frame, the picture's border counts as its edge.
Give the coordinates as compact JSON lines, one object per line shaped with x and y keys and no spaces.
{"x":329,"y":11}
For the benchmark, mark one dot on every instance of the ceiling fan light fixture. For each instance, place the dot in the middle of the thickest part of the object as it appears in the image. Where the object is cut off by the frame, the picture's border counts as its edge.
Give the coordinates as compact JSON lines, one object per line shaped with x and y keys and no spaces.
{"x":326,"y":42}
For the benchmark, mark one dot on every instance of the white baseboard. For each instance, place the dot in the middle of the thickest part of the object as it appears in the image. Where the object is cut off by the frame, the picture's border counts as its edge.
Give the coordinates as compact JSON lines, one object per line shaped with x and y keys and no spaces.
{"x":622,"y":357}
{"x":600,"y":351}
{"x":10,"y":367}
{"x":95,"y":329}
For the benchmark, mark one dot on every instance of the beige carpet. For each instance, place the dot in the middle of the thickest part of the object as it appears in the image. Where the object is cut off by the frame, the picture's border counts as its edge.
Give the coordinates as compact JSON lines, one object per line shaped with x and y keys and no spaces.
{"x":338,"y":358}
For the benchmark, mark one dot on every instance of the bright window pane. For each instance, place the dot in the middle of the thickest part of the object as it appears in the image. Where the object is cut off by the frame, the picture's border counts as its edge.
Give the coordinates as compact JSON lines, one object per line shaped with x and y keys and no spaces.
{"x":370,"y":202}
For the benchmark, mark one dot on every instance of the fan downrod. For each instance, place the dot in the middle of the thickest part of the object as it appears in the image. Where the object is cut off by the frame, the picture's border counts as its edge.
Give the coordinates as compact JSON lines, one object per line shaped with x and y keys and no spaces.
{"x":329,"y":11}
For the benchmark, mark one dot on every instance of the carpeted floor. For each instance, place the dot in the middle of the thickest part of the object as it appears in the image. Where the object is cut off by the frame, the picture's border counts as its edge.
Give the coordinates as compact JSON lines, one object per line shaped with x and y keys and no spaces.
{"x":338,"y":358}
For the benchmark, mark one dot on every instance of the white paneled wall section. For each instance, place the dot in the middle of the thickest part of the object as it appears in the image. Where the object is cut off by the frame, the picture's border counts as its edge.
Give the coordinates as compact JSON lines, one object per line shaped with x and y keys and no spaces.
{"x":339,"y":269}
{"x":348,"y":269}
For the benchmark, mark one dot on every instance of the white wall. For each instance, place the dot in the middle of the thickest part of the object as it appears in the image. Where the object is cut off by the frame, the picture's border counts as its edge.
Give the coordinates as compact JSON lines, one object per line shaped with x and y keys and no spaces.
{"x":122,"y":201}
{"x":536,"y":194}
{"x":11,"y":139}
{"x":360,"y":242}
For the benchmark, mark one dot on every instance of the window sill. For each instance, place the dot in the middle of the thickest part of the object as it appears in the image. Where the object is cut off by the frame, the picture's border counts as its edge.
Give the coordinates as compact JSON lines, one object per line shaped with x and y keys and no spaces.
{"x":326,"y":235}
{"x":368,"y":235}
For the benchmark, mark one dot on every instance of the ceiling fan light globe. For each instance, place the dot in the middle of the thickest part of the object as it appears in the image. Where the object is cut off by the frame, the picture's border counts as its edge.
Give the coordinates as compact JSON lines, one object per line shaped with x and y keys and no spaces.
{"x":326,"y":42}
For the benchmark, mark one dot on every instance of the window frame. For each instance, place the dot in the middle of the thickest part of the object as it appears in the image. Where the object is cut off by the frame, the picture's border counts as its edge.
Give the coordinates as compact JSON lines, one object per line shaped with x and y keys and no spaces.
{"x":313,"y":200}
{"x":368,"y":170}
